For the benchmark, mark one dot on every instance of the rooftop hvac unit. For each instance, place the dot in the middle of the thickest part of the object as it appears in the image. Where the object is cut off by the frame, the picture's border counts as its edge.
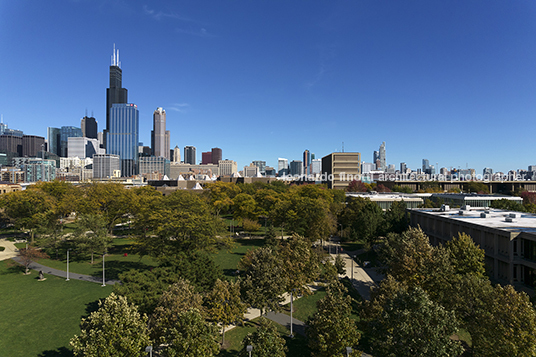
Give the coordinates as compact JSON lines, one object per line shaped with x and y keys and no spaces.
{"x":513,"y":215}
{"x":509,"y":219}
{"x":483,"y":215}
{"x":445,"y":208}
{"x":460,"y":212}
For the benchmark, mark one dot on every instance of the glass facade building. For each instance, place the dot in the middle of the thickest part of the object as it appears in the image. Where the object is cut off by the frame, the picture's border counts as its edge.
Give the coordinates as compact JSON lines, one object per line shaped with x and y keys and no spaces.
{"x":123,"y":136}
{"x":67,"y":132}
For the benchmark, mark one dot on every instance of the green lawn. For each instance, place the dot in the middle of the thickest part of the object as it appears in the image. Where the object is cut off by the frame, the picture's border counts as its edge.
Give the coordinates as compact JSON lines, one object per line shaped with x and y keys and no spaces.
{"x":228,"y":259}
{"x":297,"y":346}
{"x":305,"y":306}
{"x":38,"y":318}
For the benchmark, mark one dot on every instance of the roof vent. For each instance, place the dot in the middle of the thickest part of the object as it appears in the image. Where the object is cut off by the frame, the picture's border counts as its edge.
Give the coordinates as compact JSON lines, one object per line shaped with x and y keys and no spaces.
{"x":513,"y":215}
{"x":460,"y":212}
{"x":509,"y":219}
{"x":466,"y":207}
{"x":483,"y":215}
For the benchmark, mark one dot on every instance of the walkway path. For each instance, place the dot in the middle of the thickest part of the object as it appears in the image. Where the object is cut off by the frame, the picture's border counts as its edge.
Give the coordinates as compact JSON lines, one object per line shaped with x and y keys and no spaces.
{"x":63,"y":274}
{"x":10,"y":251}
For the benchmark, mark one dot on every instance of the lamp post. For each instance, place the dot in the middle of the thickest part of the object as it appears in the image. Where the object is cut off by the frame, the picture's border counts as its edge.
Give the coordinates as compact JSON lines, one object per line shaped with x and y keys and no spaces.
{"x":68,"y":264}
{"x":103,"y":281}
{"x":249,"y":348}
{"x":150,"y":350}
{"x":291,"y":324}
{"x":348,"y":351}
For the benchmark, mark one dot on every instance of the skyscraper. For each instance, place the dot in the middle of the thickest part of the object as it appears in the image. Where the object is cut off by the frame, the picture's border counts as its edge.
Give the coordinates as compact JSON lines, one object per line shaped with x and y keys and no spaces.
{"x":89,"y":127}
{"x":306,"y":162}
{"x":189,"y":155}
{"x":123,"y":137}
{"x":176,"y":154}
{"x":383,"y":165}
{"x":216,"y":155}
{"x":67,"y":132}
{"x":282,"y":166}
{"x":159,"y":134}
{"x":114,"y":94}
{"x":206,"y":158}
{"x":53,"y":137}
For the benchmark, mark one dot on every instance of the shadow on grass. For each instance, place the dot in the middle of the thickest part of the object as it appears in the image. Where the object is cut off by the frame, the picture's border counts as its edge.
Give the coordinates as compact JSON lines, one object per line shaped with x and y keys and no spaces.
{"x":91,"y":307}
{"x":12,"y":267}
{"x":114,"y":267}
{"x":59,"y":352}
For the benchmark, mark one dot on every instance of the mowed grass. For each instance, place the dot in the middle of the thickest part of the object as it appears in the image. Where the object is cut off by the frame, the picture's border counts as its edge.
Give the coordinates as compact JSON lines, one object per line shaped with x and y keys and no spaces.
{"x":227,"y":259}
{"x":305,"y":306}
{"x":38,"y":318}
{"x":297,"y":346}
{"x":115,"y":262}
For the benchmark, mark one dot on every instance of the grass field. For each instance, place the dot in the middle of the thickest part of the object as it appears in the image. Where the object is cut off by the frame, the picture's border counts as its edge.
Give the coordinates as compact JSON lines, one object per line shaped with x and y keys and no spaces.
{"x":228,"y":259}
{"x":38,"y":318}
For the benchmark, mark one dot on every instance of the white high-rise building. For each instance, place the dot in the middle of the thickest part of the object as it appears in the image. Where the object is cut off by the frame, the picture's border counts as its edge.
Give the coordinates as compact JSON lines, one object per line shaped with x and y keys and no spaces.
{"x":159,"y":135}
{"x":282,"y":166}
{"x":316,"y":166}
{"x":176,"y":154}
{"x":227,"y":167}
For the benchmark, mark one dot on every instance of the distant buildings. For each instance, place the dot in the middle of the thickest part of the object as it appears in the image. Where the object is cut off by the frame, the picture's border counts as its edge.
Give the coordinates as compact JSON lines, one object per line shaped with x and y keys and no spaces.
{"x":296,"y":168}
{"x":380,"y":159}
{"x":282,"y":167}
{"x":228,"y":167}
{"x":67,"y":132}
{"x":341,"y":168}
{"x":115,"y":94}
{"x":159,"y":134}
{"x":106,"y":166}
{"x":261,"y":165}
{"x":189,"y":155}
{"x":176,"y":154}
{"x":89,"y":127}
{"x":306,"y":162}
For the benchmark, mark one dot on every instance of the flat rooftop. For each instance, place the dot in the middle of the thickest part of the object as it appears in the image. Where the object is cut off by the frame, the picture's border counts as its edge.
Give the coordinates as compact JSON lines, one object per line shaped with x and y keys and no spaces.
{"x":496,"y":218}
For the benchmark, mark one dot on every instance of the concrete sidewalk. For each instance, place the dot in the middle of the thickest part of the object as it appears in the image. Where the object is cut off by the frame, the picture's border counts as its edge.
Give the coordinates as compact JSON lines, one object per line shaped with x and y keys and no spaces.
{"x":63,"y":274}
{"x":10,"y":251}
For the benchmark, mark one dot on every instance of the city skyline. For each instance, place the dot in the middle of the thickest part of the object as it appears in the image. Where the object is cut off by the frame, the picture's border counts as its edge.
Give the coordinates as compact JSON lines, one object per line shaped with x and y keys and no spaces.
{"x":433,"y":80}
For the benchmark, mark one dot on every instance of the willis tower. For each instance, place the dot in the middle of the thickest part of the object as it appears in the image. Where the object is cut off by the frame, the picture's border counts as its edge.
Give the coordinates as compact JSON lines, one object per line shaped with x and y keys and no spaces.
{"x":115,"y":94}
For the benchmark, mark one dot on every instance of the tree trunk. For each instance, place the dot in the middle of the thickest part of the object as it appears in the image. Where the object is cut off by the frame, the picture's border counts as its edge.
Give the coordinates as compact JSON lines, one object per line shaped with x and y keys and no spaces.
{"x":32,"y":236}
{"x":91,"y":257}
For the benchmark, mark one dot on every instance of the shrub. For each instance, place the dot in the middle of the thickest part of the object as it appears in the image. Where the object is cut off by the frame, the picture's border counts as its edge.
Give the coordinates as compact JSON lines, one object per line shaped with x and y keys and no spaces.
{"x":250,"y":225}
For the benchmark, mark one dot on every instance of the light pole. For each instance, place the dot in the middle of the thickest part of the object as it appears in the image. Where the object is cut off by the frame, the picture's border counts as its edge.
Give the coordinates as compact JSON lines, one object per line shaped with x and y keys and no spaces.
{"x":348,"y":351}
{"x":150,"y":350}
{"x":68,"y":264}
{"x":103,"y":281}
{"x":249,"y":348}
{"x":291,"y":300}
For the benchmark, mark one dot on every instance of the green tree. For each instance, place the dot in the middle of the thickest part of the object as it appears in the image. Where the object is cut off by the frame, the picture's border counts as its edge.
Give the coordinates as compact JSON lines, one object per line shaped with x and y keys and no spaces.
{"x":116,"y":329}
{"x":244,"y":206}
{"x":411,"y":324}
{"x":474,"y":186}
{"x":331,"y":329}
{"x":224,"y":305}
{"x":191,"y":336}
{"x":265,"y":340}
{"x":221,"y":195}
{"x":465,"y":256}
{"x":364,"y":217}
{"x":508,"y":205}
{"x":396,"y":217}
{"x":264,"y":280}
{"x":179,"y":297}
{"x":91,"y":234}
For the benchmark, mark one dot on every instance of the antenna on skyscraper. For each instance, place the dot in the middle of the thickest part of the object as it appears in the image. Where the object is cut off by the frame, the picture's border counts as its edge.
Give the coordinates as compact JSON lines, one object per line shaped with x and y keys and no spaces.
{"x":343,"y":146}
{"x":86,"y":112}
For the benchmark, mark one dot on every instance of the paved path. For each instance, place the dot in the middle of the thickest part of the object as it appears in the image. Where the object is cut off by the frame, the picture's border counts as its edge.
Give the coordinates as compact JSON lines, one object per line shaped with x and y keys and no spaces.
{"x":10,"y":251}
{"x":363,"y":279}
{"x":284,"y":319}
{"x":63,"y":274}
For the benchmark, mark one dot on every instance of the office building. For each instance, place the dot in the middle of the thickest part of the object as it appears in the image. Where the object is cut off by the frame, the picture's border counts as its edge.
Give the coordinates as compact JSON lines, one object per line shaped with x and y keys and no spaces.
{"x":83,"y":147}
{"x":316,"y":166}
{"x":341,"y":168}
{"x":367,"y":167}
{"x":159,"y":134}
{"x":89,"y":127}
{"x":189,"y":155}
{"x":251,"y":171}
{"x":270,"y":172}
{"x":261,"y":165}
{"x":206,"y":158}
{"x":32,"y":145}
{"x":382,"y":158}
{"x":306,"y":162}
{"x":53,"y":140}
{"x":123,"y":137}
{"x":106,"y":166}
{"x":282,"y":167}
{"x":67,"y":132}
{"x":39,"y":170}
{"x":216,"y":155}
{"x":11,"y":145}
{"x":403,"y":167}
{"x":4,"y":130}
{"x":176,"y":154}
{"x":154,"y":164}
{"x":296,"y":168}
{"x":115,"y":94}
{"x":227,"y":167}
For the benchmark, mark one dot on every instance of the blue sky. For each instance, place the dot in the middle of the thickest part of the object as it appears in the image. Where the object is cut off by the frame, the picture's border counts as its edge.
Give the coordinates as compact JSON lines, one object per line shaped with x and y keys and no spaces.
{"x":450,"y":81}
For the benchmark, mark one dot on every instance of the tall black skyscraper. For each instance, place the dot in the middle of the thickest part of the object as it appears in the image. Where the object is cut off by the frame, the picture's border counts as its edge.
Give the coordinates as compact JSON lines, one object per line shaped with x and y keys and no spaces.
{"x":89,"y":127}
{"x":115,"y":94}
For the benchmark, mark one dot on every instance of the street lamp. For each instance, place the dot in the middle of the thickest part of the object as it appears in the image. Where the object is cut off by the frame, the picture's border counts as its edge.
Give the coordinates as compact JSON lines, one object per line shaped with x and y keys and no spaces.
{"x":68,"y":264}
{"x":291,"y":300}
{"x":249,"y":348}
{"x":348,"y":351}
{"x":103,"y":281}
{"x":150,"y":350}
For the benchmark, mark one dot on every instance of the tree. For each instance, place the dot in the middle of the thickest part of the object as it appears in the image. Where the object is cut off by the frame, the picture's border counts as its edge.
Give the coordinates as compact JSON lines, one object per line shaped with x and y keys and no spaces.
{"x":221,"y":195}
{"x":396,"y":217}
{"x":265,"y":340}
{"x":264,"y":280}
{"x":244,"y":206}
{"x":331,"y":329}
{"x":356,"y":186}
{"x":364,"y":217}
{"x":30,"y":254}
{"x":224,"y":305}
{"x":465,"y":256}
{"x":115,"y":329}
{"x":191,"y":336}
{"x":179,"y":297}
{"x":91,"y":234}
{"x":413,"y":325}
{"x":508,"y":205}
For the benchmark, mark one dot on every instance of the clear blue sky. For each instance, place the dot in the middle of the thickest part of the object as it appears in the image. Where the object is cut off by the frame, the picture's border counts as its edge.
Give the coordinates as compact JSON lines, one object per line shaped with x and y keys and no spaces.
{"x":450,"y":81}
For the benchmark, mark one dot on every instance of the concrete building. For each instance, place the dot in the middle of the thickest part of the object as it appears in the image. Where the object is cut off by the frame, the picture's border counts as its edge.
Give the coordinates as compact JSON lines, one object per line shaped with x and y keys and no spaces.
{"x":70,"y":163}
{"x":177,"y":154}
{"x":106,"y":165}
{"x":507,"y":238}
{"x":296,"y":168}
{"x":7,"y":187}
{"x":190,"y":155}
{"x":261,"y":165}
{"x":341,"y":168}
{"x":385,"y":200}
{"x":227,"y":167}
{"x":12,"y":174}
{"x":32,"y":145}
{"x":181,"y":169}
{"x":216,"y":155}
{"x":159,"y":134}
{"x":149,"y":165}
{"x":251,"y":171}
